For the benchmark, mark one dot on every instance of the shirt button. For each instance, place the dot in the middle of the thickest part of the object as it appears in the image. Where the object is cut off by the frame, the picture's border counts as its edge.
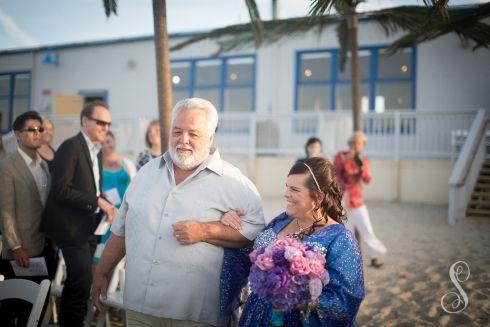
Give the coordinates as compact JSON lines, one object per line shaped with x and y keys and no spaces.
{"x":156,"y":262}
{"x":160,"y":238}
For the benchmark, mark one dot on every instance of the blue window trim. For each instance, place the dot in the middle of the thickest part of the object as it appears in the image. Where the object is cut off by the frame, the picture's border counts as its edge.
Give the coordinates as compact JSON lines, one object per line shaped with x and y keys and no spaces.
{"x":222,"y":86}
{"x":10,"y":97}
{"x":95,"y":92}
{"x":372,"y":80}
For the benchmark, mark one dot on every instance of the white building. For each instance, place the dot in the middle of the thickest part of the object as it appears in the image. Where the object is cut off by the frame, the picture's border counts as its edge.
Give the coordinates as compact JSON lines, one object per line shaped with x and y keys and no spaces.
{"x":273,"y":98}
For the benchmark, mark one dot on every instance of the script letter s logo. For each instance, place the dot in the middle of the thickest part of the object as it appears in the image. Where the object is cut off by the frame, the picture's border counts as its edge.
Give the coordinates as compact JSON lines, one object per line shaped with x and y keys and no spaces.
{"x":461,"y":301}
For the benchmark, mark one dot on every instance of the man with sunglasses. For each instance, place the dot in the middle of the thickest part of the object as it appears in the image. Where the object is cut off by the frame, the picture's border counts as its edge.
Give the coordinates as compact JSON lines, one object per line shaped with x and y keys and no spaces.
{"x":24,"y":181}
{"x":74,"y":206}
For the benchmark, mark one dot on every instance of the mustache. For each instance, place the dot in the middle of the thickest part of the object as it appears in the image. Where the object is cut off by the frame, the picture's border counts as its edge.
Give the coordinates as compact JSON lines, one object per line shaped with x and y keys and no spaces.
{"x":184,"y":147}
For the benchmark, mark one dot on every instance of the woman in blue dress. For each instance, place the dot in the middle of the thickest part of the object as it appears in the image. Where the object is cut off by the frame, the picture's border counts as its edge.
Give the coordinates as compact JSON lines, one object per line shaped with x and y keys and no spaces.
{"x":117,"y":172}
{"x":315,"y":216}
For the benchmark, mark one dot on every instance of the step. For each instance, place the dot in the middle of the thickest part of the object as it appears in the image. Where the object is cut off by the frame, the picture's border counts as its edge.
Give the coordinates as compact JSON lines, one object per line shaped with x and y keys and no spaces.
{"x":485,"y":203}
{"x":485,"y":171}
{"x":483,"y":186}
{"x":481,"y":194}
{"x":483,"y":178}
{"x":477,"y":212}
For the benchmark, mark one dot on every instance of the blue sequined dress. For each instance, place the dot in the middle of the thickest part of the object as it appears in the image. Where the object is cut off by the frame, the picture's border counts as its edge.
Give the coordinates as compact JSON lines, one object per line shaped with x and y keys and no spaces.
{"x":340,"y":299}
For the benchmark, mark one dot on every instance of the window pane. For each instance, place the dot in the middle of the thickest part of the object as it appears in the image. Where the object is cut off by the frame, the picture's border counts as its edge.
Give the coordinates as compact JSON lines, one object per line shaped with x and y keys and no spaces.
{"x":239,"y":99}
{"x":180,"y":72}
{"x":315,"y":66}
{"x":394,"y":95}
{"x":4,"y":85}
{"x":21,"y":105}
{"x":22,"y":84}
{"x":364,"y":63}
{"x":4,"y":115}
{"x":398,"y":65}
{"x":208,"y":72}
{"x":313,"y":97}
{"x":179,"y":95}
{"x":239,"y":71}
{"x":212,"y":95}
{"x":343,"y":96}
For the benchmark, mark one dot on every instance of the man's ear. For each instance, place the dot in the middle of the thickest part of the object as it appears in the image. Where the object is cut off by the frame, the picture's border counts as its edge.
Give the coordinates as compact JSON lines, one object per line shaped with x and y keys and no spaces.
{"x":212,"y":138}
{"x":17,"y":134}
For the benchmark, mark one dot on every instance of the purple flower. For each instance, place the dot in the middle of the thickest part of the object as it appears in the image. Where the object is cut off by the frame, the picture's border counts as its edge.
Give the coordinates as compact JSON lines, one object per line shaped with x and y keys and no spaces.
{"x":278,"y":257}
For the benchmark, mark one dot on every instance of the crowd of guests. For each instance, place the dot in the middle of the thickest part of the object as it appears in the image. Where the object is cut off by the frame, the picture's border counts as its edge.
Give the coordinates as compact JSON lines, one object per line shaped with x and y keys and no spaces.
{"x":185,"y":221}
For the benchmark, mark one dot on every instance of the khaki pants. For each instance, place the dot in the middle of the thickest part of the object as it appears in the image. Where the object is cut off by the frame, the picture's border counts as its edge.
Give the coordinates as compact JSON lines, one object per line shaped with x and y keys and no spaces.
{"x":137,"y":319}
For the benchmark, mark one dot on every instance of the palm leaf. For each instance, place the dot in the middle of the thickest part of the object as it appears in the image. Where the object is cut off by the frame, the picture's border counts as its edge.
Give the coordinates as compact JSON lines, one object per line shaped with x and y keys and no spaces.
{"x":256,"y":22}
{"x":110,"y":6}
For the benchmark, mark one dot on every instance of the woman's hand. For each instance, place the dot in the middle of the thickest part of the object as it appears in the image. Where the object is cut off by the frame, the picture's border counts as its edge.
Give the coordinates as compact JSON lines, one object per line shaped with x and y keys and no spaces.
{"x":232,"y":219}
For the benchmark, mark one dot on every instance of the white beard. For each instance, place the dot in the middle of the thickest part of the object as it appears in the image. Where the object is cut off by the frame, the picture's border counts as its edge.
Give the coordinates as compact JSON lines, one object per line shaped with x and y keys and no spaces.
{"x":188,"y":162}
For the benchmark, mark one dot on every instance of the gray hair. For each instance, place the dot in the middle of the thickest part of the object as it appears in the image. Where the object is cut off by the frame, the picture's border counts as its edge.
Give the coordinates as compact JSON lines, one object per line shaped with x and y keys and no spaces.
{"x":198,"y":103}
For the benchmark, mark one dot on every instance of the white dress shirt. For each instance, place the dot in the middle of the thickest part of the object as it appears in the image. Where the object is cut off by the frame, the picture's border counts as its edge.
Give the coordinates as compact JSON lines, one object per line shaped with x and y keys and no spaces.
{"x":93,"y":149}
{"x":40,"y":174}
{"x":163,"y":277}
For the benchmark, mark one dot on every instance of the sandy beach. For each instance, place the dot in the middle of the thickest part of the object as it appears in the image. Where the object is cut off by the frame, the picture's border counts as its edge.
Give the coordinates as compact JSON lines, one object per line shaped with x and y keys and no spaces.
{"x":407,"y":290}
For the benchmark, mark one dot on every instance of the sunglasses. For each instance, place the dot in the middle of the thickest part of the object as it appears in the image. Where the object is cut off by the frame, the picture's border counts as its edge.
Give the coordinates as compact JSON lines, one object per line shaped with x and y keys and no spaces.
{"x":100,"y":122}
{"x":39,"y":129}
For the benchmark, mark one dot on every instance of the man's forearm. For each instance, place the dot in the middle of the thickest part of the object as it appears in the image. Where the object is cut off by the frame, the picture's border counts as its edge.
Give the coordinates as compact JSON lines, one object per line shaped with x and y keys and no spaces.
{"x":114,"y":251}
{"x":220,"y":235}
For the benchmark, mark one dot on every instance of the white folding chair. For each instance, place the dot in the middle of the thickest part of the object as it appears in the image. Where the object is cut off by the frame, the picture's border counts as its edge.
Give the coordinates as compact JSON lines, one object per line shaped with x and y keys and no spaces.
{"x":29,"y":291}
{"x":115,"y":292}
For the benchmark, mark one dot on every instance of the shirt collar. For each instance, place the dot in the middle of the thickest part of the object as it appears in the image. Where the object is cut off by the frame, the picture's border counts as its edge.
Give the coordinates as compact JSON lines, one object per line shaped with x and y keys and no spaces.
{"x":213,"y":162}
{"x":93,"y":147}
{"x":28,"y":159}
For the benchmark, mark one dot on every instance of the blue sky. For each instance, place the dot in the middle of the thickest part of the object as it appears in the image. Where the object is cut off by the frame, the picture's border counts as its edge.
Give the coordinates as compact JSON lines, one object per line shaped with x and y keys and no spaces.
{"x":29,"y":23}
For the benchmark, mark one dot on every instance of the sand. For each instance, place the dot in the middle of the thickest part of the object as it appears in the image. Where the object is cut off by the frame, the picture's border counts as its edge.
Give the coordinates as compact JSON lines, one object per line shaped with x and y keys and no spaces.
{"x":407,"y":290}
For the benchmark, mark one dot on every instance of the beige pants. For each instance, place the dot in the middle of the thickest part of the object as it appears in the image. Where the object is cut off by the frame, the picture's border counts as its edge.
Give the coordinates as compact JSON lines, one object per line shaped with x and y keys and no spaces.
{"x":137,"y":319}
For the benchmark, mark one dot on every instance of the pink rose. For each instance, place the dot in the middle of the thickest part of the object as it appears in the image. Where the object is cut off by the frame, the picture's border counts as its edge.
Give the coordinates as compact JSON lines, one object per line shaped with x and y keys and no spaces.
{"x":264,"y":261}
{"x":253,"y":255}
{"x":282,"y":243}
{"x":316,"y":269}
{"x":316,"y":288}
{"x":299,"y":265}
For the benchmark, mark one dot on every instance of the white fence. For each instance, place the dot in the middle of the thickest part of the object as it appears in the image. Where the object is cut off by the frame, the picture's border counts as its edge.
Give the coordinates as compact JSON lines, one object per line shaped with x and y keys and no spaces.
{"x":397,"y":134}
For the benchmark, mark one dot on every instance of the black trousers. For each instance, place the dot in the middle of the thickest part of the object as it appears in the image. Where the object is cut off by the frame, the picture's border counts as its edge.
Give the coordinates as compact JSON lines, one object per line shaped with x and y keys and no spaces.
{"x":76,"y":291}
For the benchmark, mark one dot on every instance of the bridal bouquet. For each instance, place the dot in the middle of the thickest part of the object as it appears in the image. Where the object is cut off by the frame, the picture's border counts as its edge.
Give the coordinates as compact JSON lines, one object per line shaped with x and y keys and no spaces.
{"x":288,"y":273}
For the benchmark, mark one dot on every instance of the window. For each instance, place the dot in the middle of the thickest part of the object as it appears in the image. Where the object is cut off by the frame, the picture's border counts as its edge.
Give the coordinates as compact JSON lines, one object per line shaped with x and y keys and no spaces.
{"x":228,"y":82}
{"x":94,"y":95}
{"x":387,"y":82}
{"x":14,"y":97}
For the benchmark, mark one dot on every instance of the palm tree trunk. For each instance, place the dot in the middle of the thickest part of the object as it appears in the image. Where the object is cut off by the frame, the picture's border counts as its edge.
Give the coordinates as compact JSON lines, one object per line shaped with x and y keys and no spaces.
{"x":352,"y":24}
{"x":162,"y":56}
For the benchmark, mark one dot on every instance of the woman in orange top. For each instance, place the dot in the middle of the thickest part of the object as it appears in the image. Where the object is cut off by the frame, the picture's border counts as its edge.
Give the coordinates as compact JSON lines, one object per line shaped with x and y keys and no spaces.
{"x":352,"y":170}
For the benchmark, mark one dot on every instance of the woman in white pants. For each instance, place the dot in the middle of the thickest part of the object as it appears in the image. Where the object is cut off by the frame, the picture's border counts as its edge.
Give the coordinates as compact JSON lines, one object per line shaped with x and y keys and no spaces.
{"x":352,"y":170}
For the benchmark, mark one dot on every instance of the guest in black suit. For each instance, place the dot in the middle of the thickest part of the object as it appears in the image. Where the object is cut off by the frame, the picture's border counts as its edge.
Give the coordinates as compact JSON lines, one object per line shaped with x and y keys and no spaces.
{"x":73,"y":206}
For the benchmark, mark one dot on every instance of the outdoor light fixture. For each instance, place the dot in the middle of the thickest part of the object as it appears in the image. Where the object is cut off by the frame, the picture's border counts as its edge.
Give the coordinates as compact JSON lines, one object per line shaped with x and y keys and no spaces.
{"x":233,"y":76}
{"x":308,"y":72}
{"x":176,"y":79}
{"x":404,"y":69}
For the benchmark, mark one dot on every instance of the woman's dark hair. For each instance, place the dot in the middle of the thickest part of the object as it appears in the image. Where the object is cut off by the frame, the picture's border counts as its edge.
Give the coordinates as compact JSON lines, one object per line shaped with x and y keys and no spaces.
{"x":330,"y":193}
{"x":150,"y":125}
{"x":311,"y":140}
{"x":109,"y":133}
{"x":21,"y":119}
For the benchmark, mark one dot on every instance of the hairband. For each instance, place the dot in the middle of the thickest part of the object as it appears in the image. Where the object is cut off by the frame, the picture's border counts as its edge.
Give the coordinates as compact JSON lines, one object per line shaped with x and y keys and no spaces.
{"x":313,"y":175}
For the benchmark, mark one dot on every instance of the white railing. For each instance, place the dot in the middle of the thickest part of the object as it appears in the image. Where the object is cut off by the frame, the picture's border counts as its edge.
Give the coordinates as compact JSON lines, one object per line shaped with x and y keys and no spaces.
{"x":467,"y":168}
{"x":396,"y":134}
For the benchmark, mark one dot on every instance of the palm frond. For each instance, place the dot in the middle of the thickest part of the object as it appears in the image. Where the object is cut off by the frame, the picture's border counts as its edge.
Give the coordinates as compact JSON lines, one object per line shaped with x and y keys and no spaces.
{"x":256,"y":22}
{"x":110,"y":6}
{"x":467,"y":24}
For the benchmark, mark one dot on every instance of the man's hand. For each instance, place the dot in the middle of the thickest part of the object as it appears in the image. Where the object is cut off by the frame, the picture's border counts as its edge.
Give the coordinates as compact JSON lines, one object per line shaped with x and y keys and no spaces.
{"x":99,"y":288}
{"x":21,"y":257}
{"x":189,"y":232}
{"x":108,"y":208}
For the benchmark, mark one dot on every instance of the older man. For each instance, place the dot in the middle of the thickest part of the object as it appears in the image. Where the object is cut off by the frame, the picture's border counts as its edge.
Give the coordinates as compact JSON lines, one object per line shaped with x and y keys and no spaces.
{"x":168,"y":226}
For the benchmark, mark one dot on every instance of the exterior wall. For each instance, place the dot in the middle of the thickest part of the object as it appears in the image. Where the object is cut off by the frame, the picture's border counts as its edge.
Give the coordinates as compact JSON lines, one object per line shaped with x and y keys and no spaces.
{"x":450,"y":76}
{"x":421,"y":180}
